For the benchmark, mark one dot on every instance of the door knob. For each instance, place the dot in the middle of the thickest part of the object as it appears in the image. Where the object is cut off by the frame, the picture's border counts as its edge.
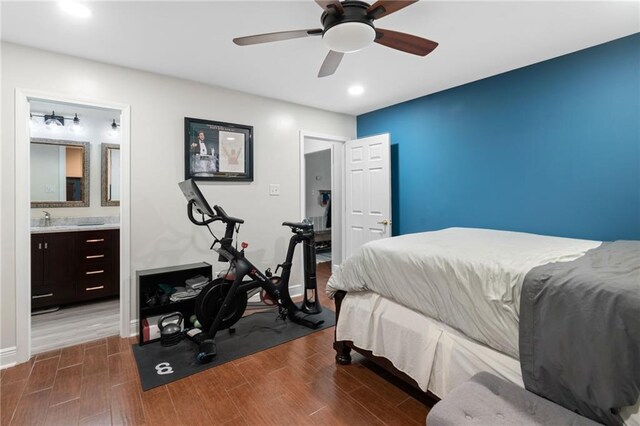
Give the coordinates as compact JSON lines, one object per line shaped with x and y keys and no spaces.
{"x":385,"y":222}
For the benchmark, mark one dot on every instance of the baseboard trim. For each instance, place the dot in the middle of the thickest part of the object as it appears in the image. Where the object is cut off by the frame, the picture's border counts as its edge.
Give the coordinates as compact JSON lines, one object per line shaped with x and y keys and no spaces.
{"x":295,"y":290}
{"x":133,"y":328}
{"x":8,"y":357}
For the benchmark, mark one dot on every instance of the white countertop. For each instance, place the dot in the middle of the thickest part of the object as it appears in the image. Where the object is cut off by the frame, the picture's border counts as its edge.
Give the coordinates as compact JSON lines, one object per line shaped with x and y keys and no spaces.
{"x":72,"y":228}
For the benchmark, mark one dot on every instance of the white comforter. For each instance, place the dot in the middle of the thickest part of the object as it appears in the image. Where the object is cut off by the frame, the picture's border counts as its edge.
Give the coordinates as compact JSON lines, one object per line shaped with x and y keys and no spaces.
{"x":469,"y":279}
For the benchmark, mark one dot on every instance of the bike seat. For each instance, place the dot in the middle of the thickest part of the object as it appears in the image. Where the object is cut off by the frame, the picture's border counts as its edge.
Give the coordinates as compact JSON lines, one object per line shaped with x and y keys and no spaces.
{"x":298,"y":225}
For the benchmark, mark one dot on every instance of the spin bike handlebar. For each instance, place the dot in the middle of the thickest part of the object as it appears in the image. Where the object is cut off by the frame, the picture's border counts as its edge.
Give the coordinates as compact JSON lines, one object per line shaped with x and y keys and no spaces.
{"x":225,"y":217}
{"x":221,"y":216}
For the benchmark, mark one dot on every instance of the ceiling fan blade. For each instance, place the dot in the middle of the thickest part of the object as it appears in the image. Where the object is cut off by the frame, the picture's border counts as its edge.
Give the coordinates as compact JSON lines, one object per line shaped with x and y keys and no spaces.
{"x":279,"y":36}
{"x":331,"y":6}
{"x":405,"y":42}
{"x":330,"y":64}
{"x":386,"y":7}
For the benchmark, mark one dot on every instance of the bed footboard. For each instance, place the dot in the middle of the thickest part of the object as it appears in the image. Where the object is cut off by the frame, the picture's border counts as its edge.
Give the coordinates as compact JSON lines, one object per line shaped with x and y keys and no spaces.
{"x":343,"y":350}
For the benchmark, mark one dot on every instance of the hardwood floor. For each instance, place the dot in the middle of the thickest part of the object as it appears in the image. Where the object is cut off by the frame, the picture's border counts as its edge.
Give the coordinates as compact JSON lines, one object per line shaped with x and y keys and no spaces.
{"x":295,"y":383}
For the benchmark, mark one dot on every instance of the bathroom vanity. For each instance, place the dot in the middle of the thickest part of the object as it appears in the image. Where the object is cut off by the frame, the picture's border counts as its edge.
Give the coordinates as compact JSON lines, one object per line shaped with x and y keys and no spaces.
{"x":74,"y":263}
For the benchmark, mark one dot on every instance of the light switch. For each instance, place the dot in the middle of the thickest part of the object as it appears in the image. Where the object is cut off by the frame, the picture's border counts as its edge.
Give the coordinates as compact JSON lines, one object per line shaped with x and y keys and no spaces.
{"x":274,"y":189}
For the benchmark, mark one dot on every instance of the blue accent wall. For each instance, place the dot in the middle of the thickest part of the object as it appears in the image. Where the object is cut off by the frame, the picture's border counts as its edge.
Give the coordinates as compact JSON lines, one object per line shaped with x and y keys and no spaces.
{"x":552,"y":148}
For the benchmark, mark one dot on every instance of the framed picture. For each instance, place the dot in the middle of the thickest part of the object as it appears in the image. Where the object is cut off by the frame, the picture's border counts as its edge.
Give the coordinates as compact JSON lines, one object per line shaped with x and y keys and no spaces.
{"x":217,"y":151}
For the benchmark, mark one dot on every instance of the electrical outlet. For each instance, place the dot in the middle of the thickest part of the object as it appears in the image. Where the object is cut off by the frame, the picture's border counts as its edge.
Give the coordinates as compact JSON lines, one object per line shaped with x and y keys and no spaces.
{"x":274,"y":189}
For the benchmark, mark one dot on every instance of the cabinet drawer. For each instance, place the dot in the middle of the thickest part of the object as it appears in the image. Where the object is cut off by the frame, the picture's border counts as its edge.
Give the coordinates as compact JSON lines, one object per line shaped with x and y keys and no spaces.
{"x":95,"y":287}
{"x":94,"y":255}
{"x":44,"y":297}
{"x":95,"y":269}
{"x":48,"y":296}
{"x":96,"y":240}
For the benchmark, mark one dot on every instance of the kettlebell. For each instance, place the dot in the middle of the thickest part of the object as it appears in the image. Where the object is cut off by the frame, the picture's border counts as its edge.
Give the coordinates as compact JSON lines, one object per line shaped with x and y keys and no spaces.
{"x":170,"y":334}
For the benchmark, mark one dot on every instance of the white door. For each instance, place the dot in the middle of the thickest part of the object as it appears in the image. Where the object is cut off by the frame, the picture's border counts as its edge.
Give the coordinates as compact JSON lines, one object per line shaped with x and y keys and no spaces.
{"x":367,"y":191}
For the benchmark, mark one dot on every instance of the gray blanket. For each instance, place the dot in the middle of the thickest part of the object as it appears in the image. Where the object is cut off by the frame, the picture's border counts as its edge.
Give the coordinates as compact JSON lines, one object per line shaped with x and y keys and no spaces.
{"x":580,"y":331}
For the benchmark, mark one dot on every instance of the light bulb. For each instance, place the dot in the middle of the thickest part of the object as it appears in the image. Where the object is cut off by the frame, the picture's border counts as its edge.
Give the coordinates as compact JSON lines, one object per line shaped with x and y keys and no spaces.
{"x":75,"y":9}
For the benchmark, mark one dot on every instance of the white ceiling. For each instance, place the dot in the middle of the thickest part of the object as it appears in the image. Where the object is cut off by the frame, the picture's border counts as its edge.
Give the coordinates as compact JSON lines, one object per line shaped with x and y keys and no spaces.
{"x":192,"y":40}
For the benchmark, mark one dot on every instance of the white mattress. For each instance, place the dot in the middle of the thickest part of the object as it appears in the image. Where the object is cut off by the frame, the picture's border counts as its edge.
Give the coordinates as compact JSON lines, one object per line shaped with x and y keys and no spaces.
{"x":469,"y":279}
{"x":436,"y":356}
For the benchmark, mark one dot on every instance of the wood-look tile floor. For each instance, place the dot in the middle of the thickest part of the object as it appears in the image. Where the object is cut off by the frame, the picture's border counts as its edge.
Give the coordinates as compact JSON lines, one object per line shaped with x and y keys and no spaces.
{"x":296,"y":383}
{"x":74,"y":324}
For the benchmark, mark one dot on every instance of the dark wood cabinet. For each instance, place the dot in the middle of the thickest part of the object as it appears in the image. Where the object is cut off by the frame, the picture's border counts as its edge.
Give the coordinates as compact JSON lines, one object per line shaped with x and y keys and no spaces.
{"x":98,"y":260}
{"x":68,"y":267}
{"x":41,"y":294}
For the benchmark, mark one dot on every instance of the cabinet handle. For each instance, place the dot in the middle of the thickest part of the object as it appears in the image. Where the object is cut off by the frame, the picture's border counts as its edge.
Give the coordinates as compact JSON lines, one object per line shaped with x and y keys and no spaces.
{"x":45,"y":245}
{"x":95,"y":256}
{"x":100,"y":287}
{"x":101,"y":271}
{"x":39,"y":246}
{"x":42,"y":296}
{"x":97,"y":240}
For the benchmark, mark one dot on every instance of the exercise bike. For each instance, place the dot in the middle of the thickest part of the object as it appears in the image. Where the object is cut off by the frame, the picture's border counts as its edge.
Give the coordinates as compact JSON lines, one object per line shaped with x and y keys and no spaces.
{"x":223,"y":301}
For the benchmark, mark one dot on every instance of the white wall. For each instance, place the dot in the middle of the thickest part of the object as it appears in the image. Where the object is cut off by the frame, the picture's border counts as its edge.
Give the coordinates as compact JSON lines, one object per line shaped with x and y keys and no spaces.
{"x":318,"y":177}
{"x":95,"y":127}
{"x":315,"y":145}
{"x":160,"y":232}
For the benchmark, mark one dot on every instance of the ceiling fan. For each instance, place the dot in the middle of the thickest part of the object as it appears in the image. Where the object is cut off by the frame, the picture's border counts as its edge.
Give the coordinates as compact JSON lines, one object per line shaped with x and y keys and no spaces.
{"x":348,"y":27}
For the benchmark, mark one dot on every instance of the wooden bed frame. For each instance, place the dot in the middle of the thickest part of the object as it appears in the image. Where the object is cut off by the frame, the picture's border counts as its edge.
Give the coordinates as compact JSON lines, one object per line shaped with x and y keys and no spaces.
{"x":343,"y":350}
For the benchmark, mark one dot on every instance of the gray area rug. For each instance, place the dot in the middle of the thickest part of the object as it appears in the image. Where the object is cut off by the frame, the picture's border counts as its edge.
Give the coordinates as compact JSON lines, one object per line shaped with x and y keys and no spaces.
{"x":158,"y":365}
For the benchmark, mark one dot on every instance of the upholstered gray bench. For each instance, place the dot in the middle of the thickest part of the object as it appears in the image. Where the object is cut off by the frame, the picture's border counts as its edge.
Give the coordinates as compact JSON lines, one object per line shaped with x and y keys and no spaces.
{"x":487,"y":400}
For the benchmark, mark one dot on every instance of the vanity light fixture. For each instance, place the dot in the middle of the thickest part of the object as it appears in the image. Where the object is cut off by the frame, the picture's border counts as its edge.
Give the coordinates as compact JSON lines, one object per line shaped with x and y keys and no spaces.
{"x":75,"y":126}
{"x":53,"y":119}
{"x":56,"y":120}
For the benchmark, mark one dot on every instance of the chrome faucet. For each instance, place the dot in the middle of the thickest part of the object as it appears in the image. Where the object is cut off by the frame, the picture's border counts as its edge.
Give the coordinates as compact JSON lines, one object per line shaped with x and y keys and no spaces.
{"x":47,"y":218}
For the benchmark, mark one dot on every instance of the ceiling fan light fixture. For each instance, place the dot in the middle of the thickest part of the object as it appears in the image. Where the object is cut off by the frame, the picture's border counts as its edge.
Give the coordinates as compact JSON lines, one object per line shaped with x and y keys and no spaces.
{"x":349,"y":37}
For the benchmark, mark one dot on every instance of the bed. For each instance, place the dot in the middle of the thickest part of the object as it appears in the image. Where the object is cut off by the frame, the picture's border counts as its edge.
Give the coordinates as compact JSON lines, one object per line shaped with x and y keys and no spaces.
{"x":437,"y":307}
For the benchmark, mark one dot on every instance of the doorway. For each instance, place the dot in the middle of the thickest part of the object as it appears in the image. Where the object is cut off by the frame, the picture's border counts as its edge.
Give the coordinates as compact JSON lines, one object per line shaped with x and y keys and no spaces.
{"x":71,"y":187}
{"x":318,"y":200}
{"x":74,"y":157}
{"x":322,"y":193}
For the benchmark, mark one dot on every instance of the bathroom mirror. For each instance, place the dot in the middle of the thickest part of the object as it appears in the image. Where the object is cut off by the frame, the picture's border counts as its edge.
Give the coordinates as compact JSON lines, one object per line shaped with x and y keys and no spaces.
{"x":110,"y":174}
{"x":59,"y":173}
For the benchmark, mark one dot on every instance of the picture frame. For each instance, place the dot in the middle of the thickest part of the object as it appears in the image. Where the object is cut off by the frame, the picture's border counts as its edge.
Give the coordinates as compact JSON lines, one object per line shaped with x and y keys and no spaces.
{"x":217,"y":151}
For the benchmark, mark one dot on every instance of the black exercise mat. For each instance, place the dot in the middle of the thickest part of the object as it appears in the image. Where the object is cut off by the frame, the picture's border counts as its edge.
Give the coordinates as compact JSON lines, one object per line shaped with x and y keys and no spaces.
{"x":158,"y":365}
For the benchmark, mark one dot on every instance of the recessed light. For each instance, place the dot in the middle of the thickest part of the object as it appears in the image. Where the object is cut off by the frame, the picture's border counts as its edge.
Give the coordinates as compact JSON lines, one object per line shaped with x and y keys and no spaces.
{"x":75,"y":9}
{"x":231,"y":139}
{"x":356,"y":90}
